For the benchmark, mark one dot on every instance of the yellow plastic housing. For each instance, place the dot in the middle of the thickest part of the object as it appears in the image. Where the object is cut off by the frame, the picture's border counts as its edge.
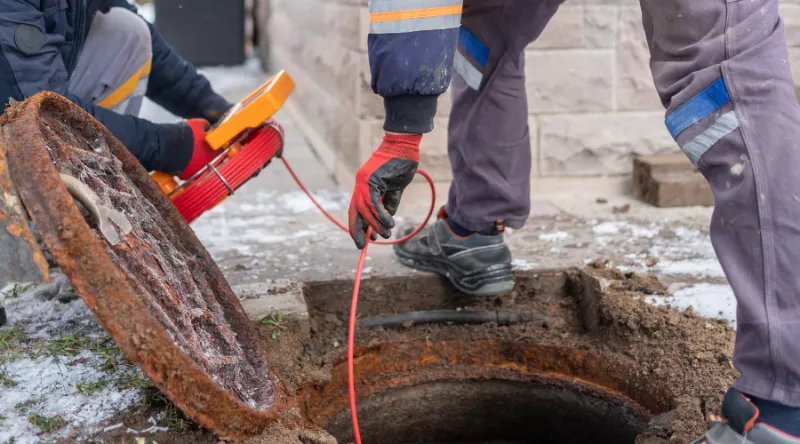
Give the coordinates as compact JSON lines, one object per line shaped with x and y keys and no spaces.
{"x":251,"y":112}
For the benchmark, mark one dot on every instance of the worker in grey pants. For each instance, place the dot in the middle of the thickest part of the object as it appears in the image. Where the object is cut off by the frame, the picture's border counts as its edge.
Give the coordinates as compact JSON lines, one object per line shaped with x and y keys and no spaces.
{"x":115,"y":63}
{"x":721,"y":68}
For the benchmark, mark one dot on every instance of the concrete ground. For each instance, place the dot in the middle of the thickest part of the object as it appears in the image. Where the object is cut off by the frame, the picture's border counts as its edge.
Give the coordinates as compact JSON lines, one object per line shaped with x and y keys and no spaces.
{"x":269,"y":235}
{"x":268,"y":238}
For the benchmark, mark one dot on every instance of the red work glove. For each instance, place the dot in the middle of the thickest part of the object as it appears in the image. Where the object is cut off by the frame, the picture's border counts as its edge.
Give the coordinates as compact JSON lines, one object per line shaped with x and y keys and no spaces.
{"x":380,"y":184}
{"x":203,"y":153}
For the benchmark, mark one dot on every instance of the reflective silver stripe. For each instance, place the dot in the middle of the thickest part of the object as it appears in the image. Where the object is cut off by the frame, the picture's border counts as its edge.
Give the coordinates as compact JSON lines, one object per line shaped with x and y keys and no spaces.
{"x":412,"y":25}
{"x":471,"y":75}
{"x":139,"y":92}
{"x":406,"y":5}
{"x":725,"y":124}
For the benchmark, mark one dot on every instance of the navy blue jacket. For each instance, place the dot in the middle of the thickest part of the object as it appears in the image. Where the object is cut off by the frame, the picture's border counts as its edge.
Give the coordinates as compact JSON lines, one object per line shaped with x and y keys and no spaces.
{"x":412,"y":49}
{"x":173,"y":83}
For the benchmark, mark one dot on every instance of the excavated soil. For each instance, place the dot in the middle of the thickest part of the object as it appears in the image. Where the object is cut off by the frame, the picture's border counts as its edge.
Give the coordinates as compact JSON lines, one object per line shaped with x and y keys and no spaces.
{"x":669,"y":368}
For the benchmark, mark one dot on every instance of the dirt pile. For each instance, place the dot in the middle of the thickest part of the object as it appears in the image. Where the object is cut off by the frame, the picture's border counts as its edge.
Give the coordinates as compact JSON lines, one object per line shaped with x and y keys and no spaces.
{"x":589,"y":331}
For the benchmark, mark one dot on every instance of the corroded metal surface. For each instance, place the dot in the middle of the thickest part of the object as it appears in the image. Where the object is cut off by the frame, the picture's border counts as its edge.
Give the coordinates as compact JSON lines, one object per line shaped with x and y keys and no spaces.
{"x":158,"y":292}
{"x":21,"y":260}
{"x":399,"y":365}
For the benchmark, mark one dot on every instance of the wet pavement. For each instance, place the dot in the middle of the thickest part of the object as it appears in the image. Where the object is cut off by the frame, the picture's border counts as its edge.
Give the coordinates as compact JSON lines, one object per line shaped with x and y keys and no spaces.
{"x":270,"y":236}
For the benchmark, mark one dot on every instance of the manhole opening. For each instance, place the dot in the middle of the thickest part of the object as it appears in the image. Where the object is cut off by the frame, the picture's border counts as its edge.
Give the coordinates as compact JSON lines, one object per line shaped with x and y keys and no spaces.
{"x":489,"y":412}
{"x":559,"y":373}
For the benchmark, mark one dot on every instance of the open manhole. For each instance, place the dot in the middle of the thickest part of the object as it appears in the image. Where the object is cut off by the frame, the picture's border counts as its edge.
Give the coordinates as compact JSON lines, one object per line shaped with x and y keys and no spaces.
{"x":142,"y":271}
{"x":495,"y":398}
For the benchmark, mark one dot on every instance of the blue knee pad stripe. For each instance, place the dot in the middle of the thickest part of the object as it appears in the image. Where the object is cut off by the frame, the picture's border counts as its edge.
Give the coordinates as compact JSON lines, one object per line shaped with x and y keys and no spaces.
{"x":697,"y":108}
{"x":474,"y":47}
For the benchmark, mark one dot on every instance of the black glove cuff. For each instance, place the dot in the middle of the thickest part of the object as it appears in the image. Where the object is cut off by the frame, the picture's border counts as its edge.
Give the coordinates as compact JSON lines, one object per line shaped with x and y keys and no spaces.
{"x":410,"y":113}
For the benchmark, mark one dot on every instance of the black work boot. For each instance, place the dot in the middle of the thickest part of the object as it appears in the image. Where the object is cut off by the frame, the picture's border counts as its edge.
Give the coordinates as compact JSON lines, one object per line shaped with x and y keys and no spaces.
{"x":746,"y":421}
{"x":478,"y":264}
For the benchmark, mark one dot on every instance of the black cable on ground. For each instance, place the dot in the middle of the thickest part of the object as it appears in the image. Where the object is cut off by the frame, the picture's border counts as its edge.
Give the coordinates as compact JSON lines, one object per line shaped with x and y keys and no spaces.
{"x":458,"y":317}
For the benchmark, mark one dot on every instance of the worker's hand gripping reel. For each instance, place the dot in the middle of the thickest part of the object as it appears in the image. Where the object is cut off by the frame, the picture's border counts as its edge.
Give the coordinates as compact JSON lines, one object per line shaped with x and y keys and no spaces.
{"x":247,"y":139}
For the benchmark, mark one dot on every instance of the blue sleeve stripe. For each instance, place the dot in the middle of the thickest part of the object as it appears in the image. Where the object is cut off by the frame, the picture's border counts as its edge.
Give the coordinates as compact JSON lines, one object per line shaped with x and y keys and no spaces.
{"x":474,"y":47}
{"x":698,"y":108}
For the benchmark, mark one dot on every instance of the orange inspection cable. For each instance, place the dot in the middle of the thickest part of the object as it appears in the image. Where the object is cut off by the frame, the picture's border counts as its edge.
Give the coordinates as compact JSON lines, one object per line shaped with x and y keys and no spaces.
{"x":351,"y":333}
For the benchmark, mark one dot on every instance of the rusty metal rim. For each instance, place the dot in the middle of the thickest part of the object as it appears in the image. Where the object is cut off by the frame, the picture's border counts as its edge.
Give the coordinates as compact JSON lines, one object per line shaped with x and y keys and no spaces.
{"x":104,"y":287}
{"x":388,"y":367}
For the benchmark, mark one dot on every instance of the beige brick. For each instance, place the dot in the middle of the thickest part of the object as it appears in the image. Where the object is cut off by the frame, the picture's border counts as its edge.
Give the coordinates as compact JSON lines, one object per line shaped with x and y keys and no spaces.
{"x":324,"y":111}
{"x":433,"y":149}
{"x":670,"y":181}
{"x":790,"y":13}
{"x":533,"y":129}
{"x":599,"y":144}
{"x":634,"y":81}
{"x":794,"y":61}
{"x":433,"y":152}
{"x":577,"y":80}
{"x":370,"y":104}
{"x":579,"y":27}
{"x":334,"y":67}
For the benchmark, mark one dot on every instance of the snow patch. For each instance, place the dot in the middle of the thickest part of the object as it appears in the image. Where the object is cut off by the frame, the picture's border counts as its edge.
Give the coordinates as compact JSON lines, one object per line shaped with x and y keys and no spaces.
{"x":523,"y":265}
{"x":554,"y":237}
{"x":709,"y":300}
{"x":49,"y":386}
{"x":608,"y":227}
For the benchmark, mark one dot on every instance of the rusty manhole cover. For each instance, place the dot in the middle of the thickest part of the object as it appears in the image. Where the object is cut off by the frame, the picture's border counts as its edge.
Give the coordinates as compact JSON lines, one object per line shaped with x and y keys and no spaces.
{"x":156,"y":290}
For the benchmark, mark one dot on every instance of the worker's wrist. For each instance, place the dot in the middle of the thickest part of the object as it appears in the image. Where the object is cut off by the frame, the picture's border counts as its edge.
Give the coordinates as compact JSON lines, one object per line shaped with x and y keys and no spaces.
{"x":403,"y":146}
{"x":410,"y":113}
{"x":213,"y":106}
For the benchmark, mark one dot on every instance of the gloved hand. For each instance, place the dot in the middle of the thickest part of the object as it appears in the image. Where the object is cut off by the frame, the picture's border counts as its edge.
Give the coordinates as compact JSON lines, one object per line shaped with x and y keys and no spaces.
{"x":380,"y":184}
{"x":203,"y":153}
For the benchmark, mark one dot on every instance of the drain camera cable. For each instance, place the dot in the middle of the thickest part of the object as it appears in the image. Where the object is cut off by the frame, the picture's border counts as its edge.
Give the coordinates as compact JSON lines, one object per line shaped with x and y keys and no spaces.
{"x":457,"y":317}
{"x":359,"y":272}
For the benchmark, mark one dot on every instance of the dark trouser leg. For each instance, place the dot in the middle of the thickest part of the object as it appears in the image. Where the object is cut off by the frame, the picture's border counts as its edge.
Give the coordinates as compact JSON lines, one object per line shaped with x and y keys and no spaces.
{"x":489,"y":143}
{"x":722,"y":70}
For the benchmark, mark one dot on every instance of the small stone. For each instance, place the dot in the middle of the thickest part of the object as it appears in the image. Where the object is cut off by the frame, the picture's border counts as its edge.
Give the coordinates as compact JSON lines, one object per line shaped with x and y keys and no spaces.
{"x":674,"y":320}
{"x":332,"y":319}
{"x":651,"y":261}
{"x":336,"y":344}
{"x":601,"y":200}
{"x":623,"y":209}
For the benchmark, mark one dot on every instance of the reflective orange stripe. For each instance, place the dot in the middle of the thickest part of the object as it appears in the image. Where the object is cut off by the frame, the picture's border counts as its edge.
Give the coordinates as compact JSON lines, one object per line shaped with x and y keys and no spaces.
{"x":415,"y":14}
{"x":127,"y":88}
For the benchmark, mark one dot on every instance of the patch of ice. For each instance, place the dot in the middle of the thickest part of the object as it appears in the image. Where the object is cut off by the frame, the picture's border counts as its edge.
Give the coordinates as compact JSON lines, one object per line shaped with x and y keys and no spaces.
{"x":608,"y":227}
{"x":709,"y":300}
{"x":267,"y":203}
{"x":691,"y":254}
{"x":554,"y":237}
{"x":522,"y":265}
{"x":48,"y":385}
{"x":646,"y":232}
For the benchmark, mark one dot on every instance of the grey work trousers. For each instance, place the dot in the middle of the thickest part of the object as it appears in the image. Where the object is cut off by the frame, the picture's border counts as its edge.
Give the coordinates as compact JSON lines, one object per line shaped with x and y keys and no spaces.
{"x":721,"y":68}
{"x":114,"y":65}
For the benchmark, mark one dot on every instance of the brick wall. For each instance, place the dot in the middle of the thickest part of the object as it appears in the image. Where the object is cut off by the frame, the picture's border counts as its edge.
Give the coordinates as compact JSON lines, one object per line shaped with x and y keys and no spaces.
{"x":591,"y":99}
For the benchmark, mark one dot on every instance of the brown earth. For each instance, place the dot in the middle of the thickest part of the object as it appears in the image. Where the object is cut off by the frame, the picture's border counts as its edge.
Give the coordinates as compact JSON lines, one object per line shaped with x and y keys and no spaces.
{"x":679,"y":364}
{"x":675,"y":365}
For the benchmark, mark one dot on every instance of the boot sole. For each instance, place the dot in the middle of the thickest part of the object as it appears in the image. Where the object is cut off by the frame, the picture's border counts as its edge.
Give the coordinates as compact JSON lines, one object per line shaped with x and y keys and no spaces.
{"x":493,"y":281}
